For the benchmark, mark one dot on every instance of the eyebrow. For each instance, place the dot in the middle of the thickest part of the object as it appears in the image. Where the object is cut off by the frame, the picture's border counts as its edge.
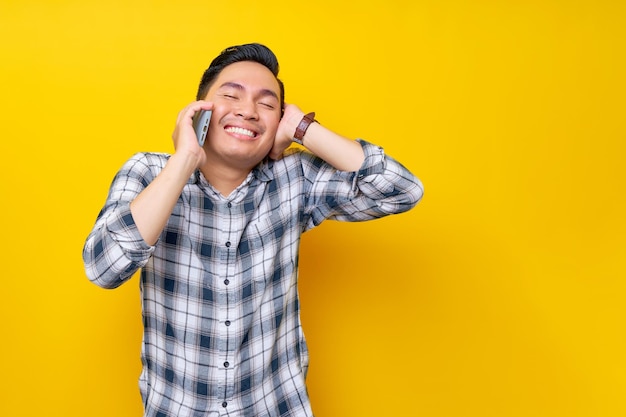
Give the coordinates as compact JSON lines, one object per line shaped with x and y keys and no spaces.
{"x":264,"y":92}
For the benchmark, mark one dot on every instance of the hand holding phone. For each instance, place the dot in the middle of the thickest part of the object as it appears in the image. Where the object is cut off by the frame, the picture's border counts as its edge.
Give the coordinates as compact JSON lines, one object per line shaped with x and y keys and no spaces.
{"x":201,"y":122}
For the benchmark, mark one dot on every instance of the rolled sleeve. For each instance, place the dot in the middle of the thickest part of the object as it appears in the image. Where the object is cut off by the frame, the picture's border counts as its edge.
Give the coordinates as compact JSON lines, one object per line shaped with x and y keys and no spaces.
{"x":374,"y":162}
{"x":387,"y":182}
{"x":115,"y":250}
{"x":382,"y":186}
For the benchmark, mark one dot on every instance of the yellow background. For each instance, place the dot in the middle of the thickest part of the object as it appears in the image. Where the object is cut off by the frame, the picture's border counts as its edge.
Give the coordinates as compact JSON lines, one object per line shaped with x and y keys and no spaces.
{"x":501,"y":294}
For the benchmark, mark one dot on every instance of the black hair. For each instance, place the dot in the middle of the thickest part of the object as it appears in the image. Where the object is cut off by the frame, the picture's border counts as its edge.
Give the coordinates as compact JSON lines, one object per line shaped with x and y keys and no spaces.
{"x":254,"y":52}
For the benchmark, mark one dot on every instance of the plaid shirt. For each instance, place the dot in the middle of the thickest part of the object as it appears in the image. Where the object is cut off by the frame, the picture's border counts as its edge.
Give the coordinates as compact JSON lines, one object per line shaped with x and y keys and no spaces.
{"x":222,"y":333}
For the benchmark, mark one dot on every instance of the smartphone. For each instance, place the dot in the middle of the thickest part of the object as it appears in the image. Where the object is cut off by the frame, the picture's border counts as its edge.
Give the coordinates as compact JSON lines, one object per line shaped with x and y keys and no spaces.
{"x":201,"y":124}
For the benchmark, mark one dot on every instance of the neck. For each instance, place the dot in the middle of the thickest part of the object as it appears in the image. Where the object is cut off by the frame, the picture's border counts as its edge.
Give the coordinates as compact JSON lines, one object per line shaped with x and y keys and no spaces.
{"x":223,"y":178}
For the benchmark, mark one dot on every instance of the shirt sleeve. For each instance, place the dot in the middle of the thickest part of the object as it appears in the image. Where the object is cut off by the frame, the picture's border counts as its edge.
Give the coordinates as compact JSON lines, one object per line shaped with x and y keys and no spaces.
{"x":115,"y":250}
{"x":382,"y":186}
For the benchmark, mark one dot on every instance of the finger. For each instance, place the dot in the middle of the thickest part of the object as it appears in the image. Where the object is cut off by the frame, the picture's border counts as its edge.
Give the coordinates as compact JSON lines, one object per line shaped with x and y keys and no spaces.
{"x":192,"y":108}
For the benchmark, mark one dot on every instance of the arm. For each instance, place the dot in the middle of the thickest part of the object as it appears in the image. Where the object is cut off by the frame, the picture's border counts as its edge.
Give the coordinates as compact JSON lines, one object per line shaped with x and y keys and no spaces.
{"x":140,"y":201}
{"x":347,"y":180}
{"x":380,"y":187}
{"x":340,"y":152}
{"x":114,"y":249}
{"x":154,"y":205}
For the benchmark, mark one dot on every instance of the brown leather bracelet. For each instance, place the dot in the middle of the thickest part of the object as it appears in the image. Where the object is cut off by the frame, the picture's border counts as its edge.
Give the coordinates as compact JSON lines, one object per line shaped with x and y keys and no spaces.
{"x":303,"y":126}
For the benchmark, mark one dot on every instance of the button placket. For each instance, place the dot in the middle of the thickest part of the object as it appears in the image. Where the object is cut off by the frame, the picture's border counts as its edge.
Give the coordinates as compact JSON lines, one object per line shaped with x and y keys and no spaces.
{"x":226,"y":254}
{"x":229,"y":250}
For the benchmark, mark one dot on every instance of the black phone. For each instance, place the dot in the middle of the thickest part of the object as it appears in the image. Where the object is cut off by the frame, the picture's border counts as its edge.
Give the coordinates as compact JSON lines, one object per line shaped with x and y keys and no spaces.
{"x":201,"y":122}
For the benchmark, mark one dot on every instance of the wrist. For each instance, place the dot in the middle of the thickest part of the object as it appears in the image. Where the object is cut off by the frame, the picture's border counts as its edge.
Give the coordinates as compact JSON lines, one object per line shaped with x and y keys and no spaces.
{"x":303,"y":126}
{"x":184,"y":163}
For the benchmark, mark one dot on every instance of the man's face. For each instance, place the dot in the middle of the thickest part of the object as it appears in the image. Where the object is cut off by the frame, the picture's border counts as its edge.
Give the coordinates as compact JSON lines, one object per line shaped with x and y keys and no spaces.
{"x":245,"y":116}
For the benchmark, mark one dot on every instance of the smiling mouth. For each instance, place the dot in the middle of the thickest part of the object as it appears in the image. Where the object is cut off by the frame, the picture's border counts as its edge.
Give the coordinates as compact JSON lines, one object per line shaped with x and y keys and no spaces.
{"x":241,"y":131}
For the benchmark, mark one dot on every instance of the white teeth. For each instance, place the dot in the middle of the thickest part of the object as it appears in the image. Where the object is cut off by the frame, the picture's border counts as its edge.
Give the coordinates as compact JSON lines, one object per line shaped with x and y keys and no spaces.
{"x":240,"y":131}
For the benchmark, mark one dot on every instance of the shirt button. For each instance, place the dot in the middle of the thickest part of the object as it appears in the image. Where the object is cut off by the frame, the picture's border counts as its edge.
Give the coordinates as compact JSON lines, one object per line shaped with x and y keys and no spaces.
{"x":224,"y":404}
{"x":226,"y":282}
{"x":230,"y":204}
{"x":226,"y":364}
{"x":228,"y":244}
{"x":227,"y":322}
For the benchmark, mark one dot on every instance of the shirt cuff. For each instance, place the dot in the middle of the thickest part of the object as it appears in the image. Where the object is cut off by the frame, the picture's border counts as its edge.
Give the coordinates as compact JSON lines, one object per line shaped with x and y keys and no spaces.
{"x":374,"y":162}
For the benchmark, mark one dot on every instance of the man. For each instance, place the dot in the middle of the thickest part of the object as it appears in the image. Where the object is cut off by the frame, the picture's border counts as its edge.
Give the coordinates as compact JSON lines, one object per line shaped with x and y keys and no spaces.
{"x":216,"y":231}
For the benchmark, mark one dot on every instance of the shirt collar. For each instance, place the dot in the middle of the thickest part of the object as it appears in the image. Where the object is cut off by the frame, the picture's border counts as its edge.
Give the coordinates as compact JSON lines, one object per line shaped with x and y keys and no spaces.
{"x":263,"y":172}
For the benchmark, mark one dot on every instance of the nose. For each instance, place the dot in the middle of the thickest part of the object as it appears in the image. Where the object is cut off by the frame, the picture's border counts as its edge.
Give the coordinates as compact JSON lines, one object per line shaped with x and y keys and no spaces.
{"x":247,"y":110}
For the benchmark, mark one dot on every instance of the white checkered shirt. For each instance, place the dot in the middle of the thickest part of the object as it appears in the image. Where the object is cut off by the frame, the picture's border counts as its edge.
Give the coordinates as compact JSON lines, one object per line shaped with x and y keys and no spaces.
{"x":222,"y":333}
